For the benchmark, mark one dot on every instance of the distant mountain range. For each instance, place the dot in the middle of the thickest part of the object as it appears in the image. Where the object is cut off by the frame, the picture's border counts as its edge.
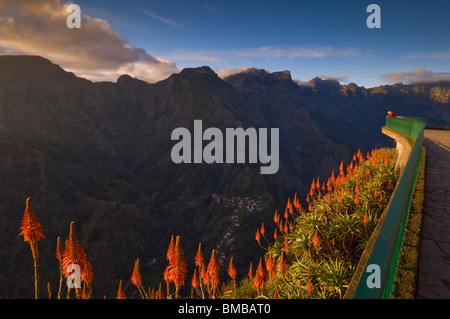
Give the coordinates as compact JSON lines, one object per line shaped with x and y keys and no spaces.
{"x":99,"y":154}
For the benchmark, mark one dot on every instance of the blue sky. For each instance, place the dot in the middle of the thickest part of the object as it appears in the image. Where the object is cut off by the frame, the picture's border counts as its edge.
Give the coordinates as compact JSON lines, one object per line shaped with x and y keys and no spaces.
{"x":309,"y":38}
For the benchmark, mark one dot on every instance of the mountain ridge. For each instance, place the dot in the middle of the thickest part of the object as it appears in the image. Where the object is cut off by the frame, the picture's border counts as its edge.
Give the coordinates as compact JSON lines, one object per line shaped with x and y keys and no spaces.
{"x":98,"y":153}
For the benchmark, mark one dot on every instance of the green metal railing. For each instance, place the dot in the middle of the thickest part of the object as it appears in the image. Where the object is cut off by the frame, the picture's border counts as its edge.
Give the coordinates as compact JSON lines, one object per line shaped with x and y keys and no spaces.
{"x":431,"y":122}
{"x":377,"y":279}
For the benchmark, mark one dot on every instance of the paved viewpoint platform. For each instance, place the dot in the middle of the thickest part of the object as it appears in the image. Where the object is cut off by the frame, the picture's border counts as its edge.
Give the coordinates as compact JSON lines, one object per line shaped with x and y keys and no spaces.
{"x":434,"y":259}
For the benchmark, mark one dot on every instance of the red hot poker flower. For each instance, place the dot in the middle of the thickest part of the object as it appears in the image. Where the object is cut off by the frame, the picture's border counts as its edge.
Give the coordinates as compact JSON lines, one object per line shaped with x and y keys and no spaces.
{"x":120,"y":292}
{"x":316,"y":239}
{"x":258,"y":237}
{"x":232,"y":270}
{"x":136,"y":277}
{"x":213,"y":270}
{"x":31,"y":229}
{"x":199,"y":260}
{"x":178,"y":268}
{"x":195,"y":280}
{"x":73,"y":253}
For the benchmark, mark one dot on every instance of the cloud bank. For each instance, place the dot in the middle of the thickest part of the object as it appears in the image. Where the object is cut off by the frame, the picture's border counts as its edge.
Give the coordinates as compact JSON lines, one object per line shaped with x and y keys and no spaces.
{"x":224,"y":72}
{"x":444,"y":55}
{"x":95,"y":51}
{"x":419,"y":75}
{"x":270,"y":52}
{"x":341,"y":78}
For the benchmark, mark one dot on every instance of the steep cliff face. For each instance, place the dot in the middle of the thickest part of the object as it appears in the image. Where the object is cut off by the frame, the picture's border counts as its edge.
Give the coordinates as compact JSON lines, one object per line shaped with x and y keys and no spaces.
{"x":99,"y":154}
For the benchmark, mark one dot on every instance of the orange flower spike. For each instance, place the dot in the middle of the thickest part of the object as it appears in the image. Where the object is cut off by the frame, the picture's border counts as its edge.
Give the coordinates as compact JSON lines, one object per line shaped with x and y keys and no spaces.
{"x":270,"y":265}
{"x":339,"y":180}
{"x":195,"y":280}
{"x":316,"y":240}
{"x":276,"y":217}
{"x":263,"y":231}
{"x":309,"y":287}
{"x":297,"y":204}
{"x":289,"y":206}
{"x":120,"y":292}
{"x":260,"y":276}
{"x":179,"y":266}
{"x":280,"y":226}
{"x":365,"y":219}
{"x":232,"y":270}
{"x":204,"y":275}
{"x":171,"y":250}
{"x":275,"y":235}
{"x":73,"y":253}
{"x":59,"y":250}
{"x":49,"y":290}
{"x":199,"y":260}
{"x":250,"y":271}
{"x":213,"y":270}
{"x":356,"y":199}
{"x":159,"y":293}
{"x":286,"y":214}
{"x":31,"y":228}
{"x":286,"y":245}
{"x":258,"y":237}
{"x":136,"y":277}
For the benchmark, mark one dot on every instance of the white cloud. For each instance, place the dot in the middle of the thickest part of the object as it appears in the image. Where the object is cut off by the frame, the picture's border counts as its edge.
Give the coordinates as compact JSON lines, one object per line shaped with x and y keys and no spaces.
{"x":341,"y":78}
{"x":294,"y":52}
{"x":274,"y":52}
{"x":419,"y":75}
{"x":444,"y":54}
{"x":302,"y":83}
{"x":94,"y":51}
{"x":162,"y":19}
{"x":223,"y":72}
{"x":202,"y":56}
